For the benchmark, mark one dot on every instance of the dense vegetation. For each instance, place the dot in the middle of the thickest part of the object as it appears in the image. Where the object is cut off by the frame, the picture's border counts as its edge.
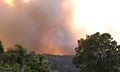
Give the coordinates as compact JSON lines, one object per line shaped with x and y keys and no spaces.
{"x":97,"y":53}
{"x":62,"y":63}
{"x":17,"y":59}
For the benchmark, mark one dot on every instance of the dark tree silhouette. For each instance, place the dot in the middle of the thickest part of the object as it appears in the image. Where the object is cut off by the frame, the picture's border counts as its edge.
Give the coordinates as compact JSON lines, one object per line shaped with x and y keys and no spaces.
{"x":97,"y":53}
{"x":1,"y":51}
{"x":1,"y":47}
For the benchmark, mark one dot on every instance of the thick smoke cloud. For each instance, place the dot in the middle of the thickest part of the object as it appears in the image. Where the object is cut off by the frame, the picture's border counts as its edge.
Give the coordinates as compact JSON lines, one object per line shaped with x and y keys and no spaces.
{"x":40,"y":25}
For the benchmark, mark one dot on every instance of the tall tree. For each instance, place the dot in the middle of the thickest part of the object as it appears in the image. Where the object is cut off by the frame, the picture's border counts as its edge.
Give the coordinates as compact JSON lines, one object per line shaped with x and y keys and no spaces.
{"x":27,"y":62}
{"x":18,"y":59}
{"x":1,"y":51}
{"x":1,"y":47}
{"x":17,"y":55}
{"x":97,"y":53}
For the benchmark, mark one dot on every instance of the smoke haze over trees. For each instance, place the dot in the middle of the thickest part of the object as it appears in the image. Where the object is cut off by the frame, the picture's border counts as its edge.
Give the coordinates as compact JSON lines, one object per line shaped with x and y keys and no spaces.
{"x":47,"y":25}
{"x":41,"y":25}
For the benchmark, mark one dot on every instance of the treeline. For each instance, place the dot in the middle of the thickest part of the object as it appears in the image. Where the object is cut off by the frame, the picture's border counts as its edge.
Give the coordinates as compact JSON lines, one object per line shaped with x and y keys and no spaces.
{"x":18,"y":59}
{"x":97,"y":53}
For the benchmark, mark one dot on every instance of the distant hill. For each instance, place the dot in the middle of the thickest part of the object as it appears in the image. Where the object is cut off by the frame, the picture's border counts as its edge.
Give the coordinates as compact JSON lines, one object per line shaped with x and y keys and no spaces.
{"x":62,"y":63}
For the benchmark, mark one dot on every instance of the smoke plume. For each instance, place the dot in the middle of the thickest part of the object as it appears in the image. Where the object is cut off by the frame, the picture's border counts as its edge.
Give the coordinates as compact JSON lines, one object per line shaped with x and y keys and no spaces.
{"x":39,"y":25}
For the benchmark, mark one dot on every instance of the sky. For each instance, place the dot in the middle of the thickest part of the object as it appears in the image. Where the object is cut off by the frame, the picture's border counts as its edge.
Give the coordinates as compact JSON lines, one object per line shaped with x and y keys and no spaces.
{"x":54,"y":26}
{"x":97,"y":16}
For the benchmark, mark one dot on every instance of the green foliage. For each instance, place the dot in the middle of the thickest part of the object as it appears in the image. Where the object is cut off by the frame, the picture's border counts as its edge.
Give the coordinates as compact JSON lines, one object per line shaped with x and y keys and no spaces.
{"x":97,"y":53}
{"x":18,"y":59}
{"x":1,"y":48}
{"x":38,"y":63}
{"x":1,"y":51}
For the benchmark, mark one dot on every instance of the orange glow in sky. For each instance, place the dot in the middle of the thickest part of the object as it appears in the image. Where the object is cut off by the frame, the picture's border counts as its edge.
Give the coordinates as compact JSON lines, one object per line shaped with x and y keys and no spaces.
{"x":26,"y":1}
{"x":54,"y":26}
{"x":10,"y":3}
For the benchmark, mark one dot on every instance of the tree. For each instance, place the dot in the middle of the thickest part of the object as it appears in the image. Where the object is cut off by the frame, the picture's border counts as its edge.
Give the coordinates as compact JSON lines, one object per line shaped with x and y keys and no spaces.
{"x":1,"y":48}
{"x":17,"y":55}
{"x":26,"y":62}
{"x":97,"y":53}
{"x":1,"y":52}
{"x":18,"y":59}
{"x":38,"y":63}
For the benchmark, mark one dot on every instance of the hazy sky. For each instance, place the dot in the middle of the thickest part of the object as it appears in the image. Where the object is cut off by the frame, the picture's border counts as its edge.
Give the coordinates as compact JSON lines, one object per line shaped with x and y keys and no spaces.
{"x":54,"y":26}
{"x":98,"y":15}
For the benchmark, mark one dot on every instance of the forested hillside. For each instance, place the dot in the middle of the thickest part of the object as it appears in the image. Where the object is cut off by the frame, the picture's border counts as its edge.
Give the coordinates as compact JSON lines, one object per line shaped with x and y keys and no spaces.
{"x":62,"y":63}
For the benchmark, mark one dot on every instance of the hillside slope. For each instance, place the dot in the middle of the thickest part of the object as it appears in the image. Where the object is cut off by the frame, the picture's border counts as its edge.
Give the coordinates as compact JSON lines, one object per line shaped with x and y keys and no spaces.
{"x":62,"y":63}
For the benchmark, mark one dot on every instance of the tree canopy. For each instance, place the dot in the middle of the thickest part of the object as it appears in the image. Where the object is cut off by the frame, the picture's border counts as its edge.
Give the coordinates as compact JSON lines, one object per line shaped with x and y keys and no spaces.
{"x":97,"y":53}
{"x":18,"y":59}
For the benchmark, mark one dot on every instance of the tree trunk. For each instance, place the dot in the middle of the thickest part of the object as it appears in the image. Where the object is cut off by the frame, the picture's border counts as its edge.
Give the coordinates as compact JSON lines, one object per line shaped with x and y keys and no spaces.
{"x":22,"y":67}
